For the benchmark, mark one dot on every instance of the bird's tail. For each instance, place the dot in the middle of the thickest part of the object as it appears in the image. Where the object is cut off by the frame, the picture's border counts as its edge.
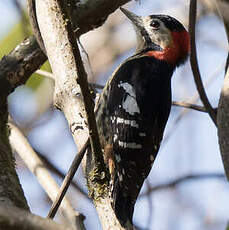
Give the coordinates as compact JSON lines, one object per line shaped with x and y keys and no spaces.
{"x":122,"y":203}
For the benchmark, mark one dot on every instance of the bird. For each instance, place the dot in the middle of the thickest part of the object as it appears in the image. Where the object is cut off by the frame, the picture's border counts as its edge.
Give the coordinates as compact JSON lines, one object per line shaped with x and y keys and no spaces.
{"x":134,"y":107}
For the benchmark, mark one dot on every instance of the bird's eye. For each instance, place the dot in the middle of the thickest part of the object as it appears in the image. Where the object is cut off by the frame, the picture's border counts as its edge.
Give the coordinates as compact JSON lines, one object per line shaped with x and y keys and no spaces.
{"x":155,"y":24}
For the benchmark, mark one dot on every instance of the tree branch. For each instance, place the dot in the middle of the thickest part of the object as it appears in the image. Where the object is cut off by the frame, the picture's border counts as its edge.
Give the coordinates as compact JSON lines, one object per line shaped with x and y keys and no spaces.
{"x":18,"y":65}
{"x":194,"y":63}
{"x":223,"y":123}
{"x":27,"y":57}
{"x":222,"y":6}
{"x":189,"y":106}
{"x":12,"y":218}
{"x":59,"y":173}
{"x":182,"y":179}
{"x":223,"y":111}
{"x":193,"y":100}
{"x":36,"y":166}
{"x":54,"y":27}
{"x":67,"y":180}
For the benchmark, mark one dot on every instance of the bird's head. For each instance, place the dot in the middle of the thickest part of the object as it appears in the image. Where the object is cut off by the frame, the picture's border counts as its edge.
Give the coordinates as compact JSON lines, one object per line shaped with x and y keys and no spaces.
{"x":160,"y":36}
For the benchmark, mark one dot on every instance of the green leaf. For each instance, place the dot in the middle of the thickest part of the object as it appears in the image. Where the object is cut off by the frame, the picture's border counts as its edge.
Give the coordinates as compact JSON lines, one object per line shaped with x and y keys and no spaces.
{"x":11,"y":40}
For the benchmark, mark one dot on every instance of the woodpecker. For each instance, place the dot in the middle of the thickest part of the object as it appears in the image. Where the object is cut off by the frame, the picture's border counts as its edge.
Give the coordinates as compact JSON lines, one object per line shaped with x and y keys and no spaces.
{"x":134,"y":106}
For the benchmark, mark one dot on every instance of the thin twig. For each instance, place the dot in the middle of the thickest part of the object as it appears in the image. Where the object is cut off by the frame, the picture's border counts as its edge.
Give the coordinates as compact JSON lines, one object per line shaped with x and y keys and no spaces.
{"x":98,"y":86}
{"x":194,"y":63}
{"x":188,"y":105}
{"x":34,"y":24}
{"x":51,"y":76}
{"x":67,"y":180}
{"x":45,"y":74}
{"x":88,"y":59}
{"x":183,"y":179}
{"x":57,"y":171}
{"x":192,"y":100}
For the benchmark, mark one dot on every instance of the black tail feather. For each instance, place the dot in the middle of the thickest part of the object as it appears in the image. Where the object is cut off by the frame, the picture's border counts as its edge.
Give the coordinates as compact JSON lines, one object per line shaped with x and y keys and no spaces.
{"x":122,"y":204}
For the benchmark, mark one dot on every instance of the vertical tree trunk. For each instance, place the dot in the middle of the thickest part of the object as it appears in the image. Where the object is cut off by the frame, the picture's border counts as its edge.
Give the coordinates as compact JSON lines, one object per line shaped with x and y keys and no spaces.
{"x":11,"y":193}
{"x":223,"y":108}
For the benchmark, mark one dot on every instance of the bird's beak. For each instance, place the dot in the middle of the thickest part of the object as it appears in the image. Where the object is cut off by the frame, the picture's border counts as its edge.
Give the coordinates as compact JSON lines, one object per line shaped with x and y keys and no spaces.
{"x":135,"y":19}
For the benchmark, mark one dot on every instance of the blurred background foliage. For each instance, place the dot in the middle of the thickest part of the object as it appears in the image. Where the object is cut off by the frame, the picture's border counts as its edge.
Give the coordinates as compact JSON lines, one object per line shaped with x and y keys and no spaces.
{"x":17,"y":34}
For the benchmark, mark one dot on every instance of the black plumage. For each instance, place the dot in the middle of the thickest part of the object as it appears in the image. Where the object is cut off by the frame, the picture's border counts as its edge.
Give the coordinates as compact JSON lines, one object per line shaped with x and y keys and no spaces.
{"x":134,"y":106}
{"x":150,"y":79}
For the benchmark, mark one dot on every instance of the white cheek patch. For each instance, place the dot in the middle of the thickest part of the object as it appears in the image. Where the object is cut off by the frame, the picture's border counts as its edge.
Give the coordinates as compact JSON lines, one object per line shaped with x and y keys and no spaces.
{"x":129,"y":104}
{"x":161,"y":37}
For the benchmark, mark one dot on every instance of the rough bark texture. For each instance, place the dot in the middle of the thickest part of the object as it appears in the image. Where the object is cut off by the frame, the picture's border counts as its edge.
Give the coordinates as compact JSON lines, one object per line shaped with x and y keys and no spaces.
{"x":68,"y":95}
{"x":11,"y":193}
{"x":14,"y":70}
{"x":95,"y":18}
{"x":223,"y":108}
{"x":21,"y":145}
{"x":17,"y":66}
{"x":27,"y":57}
{"x":12,"y":218}
{"x":223,"y":124}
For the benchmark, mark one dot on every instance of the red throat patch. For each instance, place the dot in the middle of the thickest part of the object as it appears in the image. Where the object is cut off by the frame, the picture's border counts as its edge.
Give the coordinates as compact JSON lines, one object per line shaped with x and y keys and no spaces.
{"x":178,"y":49}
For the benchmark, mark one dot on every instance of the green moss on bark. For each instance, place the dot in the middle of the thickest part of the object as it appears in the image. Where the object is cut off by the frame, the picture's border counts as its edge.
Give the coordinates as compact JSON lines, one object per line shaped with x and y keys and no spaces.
{"x":98,"y":182}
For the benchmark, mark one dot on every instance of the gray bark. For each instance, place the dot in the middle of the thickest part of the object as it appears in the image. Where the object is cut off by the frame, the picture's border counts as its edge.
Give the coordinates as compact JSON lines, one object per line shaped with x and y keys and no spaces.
{"x":68,"y":95}
{"x":223,"y":108}
{"x":12,"y":218}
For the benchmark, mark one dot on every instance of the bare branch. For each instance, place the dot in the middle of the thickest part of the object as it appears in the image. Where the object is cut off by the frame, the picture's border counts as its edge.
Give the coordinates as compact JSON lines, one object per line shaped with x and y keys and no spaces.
{"x":50,"y":75}
{"x":17,"y":67}
{"x":88,"y":103}
{"x":27,"y":57}
{"x":183,"y":104}
{"x":34,"y":24}
{"x":192,"y":100}
{"x":12,"y":218}
{"x":82,"y":81}
{"x":222,"y":6}
{"x":36,"y":166}
{"x":59,"y":173}
{"x":182,"y":179}
{"x":67,"y":180}
{"x":11,"y":193}
{"x":223,"y":111}
{"x":194,"y":63}
{"x":189,"y":106}
{"x":68,"y":96}
{"x":45,"y":74}
{"x":223,"y":121}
